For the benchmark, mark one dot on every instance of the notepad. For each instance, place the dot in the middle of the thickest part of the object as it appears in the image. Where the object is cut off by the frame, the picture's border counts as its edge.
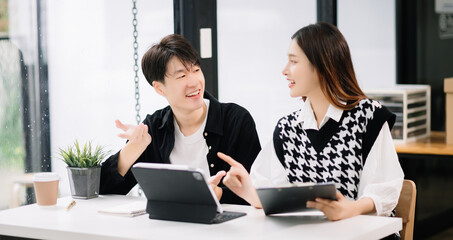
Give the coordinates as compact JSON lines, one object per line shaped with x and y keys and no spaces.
{"x":126,"y":210}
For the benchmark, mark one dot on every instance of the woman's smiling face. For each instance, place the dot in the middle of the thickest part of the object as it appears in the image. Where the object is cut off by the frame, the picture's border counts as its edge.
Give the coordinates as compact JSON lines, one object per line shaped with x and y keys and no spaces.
{"x":300,"y":73}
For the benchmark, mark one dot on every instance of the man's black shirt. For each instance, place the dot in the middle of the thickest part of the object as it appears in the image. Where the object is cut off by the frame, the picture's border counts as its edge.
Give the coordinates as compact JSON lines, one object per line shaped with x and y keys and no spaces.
{"x":229,"y":129}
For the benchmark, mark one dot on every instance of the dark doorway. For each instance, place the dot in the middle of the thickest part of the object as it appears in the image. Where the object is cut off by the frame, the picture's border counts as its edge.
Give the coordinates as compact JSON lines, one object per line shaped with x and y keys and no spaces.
{"x":424,"y":51}
{"x":425,"y":56}
{"x":196,"y":20}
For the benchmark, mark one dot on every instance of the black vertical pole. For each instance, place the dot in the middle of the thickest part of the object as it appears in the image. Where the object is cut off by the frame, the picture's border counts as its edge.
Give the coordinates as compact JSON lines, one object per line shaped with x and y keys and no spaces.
{"x":43,"y":77}
{"x":327,"y":11}
{"x":406,"y":41}
{"x":35,"y":98}
{"x":189,"y":17}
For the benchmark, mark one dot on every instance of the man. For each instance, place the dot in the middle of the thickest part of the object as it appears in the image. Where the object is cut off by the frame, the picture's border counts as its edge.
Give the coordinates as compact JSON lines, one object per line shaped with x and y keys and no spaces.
{"x":190,"y":131}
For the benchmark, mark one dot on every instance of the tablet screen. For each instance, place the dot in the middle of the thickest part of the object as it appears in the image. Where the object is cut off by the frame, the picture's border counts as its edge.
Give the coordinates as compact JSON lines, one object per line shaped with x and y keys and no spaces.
{"x":293,"y":198}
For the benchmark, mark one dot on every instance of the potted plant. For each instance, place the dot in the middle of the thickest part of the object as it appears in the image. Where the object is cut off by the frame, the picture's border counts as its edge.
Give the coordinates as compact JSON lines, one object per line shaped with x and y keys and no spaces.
{"x":84,"y":168}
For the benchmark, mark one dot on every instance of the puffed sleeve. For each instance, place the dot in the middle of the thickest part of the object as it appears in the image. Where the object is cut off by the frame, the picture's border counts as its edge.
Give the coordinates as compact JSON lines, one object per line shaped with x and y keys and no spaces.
{"x":382,"y":176}
{"x":267,"y":171}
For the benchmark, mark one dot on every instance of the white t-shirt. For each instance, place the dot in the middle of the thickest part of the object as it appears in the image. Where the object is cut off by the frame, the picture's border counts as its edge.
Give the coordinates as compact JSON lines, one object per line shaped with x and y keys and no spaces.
{"x":191,"y":150}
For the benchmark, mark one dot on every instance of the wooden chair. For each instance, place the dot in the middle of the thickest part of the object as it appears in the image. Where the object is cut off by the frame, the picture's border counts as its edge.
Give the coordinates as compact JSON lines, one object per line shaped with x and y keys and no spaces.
{"x":405,"y":209}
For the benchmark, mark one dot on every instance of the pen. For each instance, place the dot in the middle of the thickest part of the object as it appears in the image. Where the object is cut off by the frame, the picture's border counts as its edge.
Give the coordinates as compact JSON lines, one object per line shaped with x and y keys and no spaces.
{"x":72,"y":204}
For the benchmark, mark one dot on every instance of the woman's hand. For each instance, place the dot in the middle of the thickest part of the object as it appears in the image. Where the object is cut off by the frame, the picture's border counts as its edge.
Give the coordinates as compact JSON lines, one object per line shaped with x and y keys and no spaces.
{"x":136,"y":134}
{"x":238,"y":180}
{"x":342,"y":208}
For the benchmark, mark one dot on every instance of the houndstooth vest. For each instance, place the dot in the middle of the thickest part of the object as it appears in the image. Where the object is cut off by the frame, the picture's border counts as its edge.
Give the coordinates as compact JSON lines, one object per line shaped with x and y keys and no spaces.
{"x":337,"y":152}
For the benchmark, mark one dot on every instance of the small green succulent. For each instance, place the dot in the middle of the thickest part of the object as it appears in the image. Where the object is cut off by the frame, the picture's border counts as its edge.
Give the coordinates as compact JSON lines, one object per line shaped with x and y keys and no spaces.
{"x":74,"y":156}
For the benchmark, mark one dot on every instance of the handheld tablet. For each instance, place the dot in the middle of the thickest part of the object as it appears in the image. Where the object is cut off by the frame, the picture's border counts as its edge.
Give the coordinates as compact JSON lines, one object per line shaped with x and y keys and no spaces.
{"x":293,"y":198}
{"x":179,"y":193}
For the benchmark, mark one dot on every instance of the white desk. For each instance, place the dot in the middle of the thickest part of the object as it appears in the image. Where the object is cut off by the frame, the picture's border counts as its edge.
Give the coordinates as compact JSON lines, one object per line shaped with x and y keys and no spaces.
{"x":84,"y":222}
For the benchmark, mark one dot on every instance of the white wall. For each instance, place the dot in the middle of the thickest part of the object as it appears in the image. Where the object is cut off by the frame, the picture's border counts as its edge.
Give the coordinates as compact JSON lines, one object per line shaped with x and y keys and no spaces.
{"x":91,"y":65}
{"x":369,"y":27}
{"x":91,"y":78}
{"x":253,"y":39}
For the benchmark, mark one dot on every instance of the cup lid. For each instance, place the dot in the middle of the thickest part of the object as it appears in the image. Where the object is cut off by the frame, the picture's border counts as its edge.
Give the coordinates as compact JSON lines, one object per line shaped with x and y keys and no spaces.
{"x":45,"y":177}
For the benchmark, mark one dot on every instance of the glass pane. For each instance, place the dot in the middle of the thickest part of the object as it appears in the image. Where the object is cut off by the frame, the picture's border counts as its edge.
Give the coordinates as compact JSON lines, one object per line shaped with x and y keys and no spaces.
{"x":11,"y":128}
{"x":253,"y":40}
{"x":91,"y":77}
{"x":369,"y":29}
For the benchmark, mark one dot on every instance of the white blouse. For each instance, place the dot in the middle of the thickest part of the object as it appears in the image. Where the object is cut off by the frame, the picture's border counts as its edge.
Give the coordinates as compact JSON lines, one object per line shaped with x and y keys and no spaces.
{"x":381,"y":178}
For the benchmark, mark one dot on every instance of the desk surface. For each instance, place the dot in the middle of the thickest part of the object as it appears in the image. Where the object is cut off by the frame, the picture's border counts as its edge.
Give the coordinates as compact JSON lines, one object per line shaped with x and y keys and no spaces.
{"x":433,"y":145}
{"x":84,"y":222}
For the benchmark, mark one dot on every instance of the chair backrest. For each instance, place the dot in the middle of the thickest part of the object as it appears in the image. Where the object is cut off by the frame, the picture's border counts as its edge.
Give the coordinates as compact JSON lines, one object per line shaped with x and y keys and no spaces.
{"x":405,"y":209}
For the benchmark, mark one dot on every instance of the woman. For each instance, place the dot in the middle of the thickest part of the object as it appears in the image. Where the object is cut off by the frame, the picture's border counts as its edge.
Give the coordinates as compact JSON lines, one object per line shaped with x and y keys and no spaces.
{"x":337,"y":136}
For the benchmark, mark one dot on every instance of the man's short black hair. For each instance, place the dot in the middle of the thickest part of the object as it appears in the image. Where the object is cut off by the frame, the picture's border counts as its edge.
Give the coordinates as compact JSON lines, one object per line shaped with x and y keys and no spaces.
{"x":155,"y":60}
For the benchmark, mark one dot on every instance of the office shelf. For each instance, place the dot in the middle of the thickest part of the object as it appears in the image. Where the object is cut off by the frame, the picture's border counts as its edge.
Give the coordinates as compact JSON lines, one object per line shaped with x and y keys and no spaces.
{"x":411,"y":104}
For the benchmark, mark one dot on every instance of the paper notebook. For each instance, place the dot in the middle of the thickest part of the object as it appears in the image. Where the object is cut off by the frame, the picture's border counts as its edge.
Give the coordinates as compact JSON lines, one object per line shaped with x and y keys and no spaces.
{"x":126,"y":210}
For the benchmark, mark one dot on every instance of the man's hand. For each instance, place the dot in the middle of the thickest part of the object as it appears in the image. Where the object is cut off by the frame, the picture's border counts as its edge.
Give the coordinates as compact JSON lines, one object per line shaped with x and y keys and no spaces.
{"x":238,"y":181}
{"x":214,"y":182}
{"x":135,"y":134}
{"x":139,"y":139}
{"x":342,"y":208}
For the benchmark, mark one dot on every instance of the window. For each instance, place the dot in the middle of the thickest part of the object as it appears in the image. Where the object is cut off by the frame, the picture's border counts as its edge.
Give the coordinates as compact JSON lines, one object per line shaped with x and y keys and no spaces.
{"x":12,"y":150}
{"x":24,"y":112}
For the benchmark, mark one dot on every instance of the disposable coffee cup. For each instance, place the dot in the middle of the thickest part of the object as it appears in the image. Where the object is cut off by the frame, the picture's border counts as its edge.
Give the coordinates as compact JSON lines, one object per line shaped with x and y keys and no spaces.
{"x":46,"y":188}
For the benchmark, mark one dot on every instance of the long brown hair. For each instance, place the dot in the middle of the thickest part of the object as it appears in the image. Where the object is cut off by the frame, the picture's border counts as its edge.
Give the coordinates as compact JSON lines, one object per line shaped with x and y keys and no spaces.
{"x":328,"y":51}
